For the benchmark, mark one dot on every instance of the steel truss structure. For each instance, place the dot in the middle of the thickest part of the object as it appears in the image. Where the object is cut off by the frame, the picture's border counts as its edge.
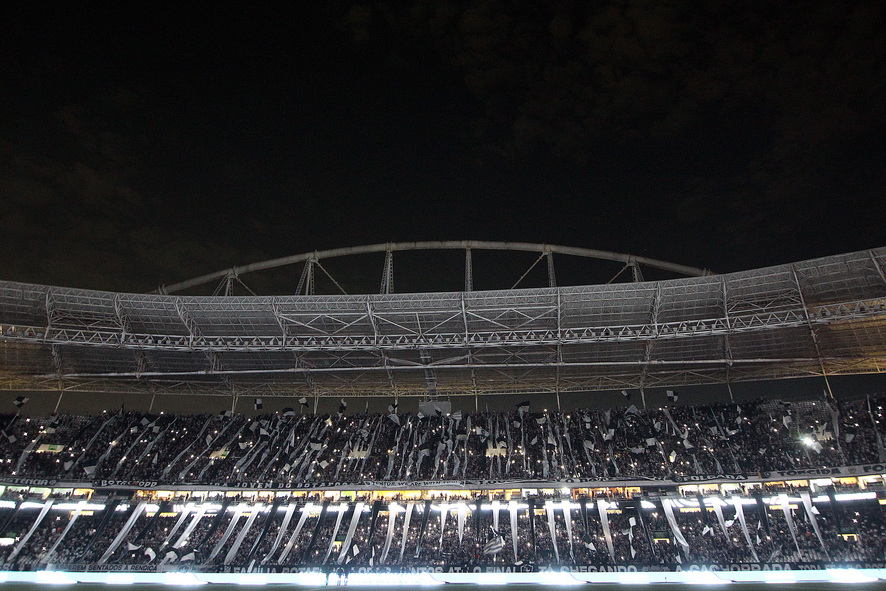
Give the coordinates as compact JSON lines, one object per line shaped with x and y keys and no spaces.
{"x":819,"y":317}
{"x":228,"y":277}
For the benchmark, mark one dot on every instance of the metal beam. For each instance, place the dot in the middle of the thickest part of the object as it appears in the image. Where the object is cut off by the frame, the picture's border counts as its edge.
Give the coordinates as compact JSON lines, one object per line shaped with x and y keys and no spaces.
{"x":384,"y":355}
{"x":409,"y":339}
{"x":469,"y":271}
{"x":215,"y":365}
{"x":647,"y":349}
{"x":433,"y":245}
{"x":718,"y":363}
{"x":812,"y":333}
{"x":727,"y":350}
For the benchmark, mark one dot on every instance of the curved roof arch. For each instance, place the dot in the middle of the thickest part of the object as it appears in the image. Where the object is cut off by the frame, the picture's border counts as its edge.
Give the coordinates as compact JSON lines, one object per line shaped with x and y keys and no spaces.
{"x":466,"y":245}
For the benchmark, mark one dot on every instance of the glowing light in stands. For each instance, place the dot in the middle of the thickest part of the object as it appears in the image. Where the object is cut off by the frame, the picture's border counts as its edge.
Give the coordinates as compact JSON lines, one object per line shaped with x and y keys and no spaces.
{"x":30,"y":505}
{"x":82,"y":505}
{"x":384,"y":579}
{"x":849,"y":575}
{"x":633,"y":578}
{"x":779,"y":577}
{"x":54,"y":578}
{"x":704,"y":578}
{"x":183,"y":579}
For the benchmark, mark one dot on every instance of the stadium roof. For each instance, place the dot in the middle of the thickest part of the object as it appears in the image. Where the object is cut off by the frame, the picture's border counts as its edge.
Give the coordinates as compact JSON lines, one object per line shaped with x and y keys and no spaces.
{"x":820,"y":317}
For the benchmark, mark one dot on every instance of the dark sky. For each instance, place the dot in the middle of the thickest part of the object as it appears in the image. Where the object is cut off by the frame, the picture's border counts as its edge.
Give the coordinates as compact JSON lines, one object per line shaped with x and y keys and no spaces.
{"x":143,"y":146}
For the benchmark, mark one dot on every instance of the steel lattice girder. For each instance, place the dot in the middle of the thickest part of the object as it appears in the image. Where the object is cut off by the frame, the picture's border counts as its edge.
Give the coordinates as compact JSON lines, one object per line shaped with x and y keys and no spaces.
{"x":821,"y":316}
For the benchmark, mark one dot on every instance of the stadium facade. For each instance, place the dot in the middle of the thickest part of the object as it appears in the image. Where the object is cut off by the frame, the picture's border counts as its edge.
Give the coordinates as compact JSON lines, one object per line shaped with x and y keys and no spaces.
{"x":814,"y":318}
{"x":606,"y":495}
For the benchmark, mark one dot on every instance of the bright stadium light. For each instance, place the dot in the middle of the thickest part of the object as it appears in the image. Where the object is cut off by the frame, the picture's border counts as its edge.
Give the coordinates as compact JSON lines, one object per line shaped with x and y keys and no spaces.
{"x":31,"y":505}
{"x":386,"y":579}
{"x":312,"y":579}
{"x":704,"y":578}
{"x":183,"y":579}
{"x":849,"y":575}
{"x":252,"y":579}
{"x":633,"y":578}
{"x":779,"y":577}
{"x":83,"y":506}
{"x":859,"y":496}
{"x":47,"y":577}
{"x":560,"y":579}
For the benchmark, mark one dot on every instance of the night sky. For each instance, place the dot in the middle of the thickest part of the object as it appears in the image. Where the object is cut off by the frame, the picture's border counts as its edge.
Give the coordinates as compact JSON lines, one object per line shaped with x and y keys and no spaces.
{"x":147,"y":146}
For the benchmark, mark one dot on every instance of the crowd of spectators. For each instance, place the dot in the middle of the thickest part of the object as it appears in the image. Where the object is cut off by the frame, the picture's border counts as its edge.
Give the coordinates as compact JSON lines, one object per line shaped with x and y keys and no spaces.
{"x":300,"y":449}
{"x":255,"y":536}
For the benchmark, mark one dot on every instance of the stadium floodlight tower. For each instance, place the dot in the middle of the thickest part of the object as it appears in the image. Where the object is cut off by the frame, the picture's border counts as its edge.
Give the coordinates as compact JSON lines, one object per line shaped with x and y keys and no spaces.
{"x":822,"y":317}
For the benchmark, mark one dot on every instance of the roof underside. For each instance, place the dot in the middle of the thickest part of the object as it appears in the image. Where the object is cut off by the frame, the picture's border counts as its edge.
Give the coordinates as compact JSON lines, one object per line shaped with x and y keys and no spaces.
{"x":805,"y":319}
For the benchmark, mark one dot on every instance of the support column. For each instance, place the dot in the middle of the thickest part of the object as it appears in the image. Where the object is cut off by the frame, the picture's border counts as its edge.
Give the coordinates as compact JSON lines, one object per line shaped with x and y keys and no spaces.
{"x":387,"y":278}
{"x":552,"y":278}
{"x":824,"y":374}
{"x":647,"y":349}
{"x":62,"y":393}
{"x":469,"y":271}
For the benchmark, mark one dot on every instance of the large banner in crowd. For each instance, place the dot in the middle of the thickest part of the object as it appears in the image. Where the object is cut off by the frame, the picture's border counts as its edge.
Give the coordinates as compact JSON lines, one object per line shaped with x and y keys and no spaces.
{"x":492,"y":568}
{"x":472,"y":484}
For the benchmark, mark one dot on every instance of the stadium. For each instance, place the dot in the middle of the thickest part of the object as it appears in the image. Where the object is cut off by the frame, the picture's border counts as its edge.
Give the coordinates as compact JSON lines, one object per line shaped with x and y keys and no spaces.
{"x":637,"y":431}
